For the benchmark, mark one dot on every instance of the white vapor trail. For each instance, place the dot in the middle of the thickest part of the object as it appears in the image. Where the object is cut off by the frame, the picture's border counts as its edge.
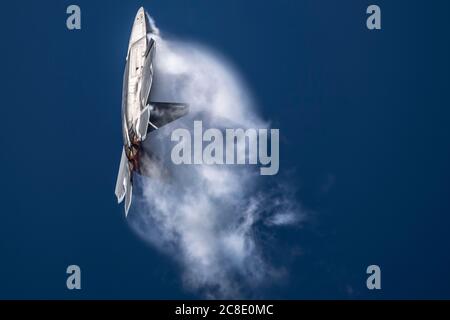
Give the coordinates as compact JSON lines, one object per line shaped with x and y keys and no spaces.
{"x":208,"y":217}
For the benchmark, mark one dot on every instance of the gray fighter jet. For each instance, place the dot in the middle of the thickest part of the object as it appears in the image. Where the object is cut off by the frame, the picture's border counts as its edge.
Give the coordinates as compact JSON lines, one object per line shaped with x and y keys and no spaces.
{"x":139,"y":114}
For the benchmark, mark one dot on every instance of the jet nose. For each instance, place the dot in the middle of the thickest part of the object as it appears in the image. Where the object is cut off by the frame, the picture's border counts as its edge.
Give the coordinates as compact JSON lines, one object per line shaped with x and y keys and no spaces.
{"x":140,"y":15}
{"x":148,"y":22}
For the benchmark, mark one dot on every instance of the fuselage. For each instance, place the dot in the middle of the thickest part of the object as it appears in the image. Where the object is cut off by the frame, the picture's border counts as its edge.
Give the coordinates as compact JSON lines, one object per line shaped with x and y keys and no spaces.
{"x":133,"y":101}
{"x":137,"y":105}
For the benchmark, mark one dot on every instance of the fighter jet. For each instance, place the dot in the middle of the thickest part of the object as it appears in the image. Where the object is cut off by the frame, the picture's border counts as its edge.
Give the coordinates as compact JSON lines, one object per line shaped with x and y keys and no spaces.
{"x":140,"y":115}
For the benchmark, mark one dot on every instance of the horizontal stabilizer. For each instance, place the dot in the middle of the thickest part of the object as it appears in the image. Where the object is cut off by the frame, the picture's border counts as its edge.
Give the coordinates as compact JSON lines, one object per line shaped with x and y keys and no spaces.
{"x":123,"y":184}
{"x":128,"y":198}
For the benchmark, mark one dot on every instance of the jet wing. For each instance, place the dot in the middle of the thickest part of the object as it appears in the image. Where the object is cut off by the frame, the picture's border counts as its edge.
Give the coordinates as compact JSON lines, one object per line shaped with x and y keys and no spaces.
{"x":161,"y":113}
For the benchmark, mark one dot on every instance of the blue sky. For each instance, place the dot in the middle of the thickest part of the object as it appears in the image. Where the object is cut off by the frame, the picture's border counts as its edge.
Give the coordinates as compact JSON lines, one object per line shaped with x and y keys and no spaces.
{"x":365,"y":139}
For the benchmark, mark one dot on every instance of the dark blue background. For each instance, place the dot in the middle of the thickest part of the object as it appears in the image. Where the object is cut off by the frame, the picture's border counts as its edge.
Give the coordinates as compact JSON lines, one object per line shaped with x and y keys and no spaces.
{"x":363,"y":116}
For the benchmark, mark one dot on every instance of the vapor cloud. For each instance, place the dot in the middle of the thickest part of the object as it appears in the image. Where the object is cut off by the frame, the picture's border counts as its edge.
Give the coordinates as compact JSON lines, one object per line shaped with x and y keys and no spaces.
{"x":209,"y":218}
